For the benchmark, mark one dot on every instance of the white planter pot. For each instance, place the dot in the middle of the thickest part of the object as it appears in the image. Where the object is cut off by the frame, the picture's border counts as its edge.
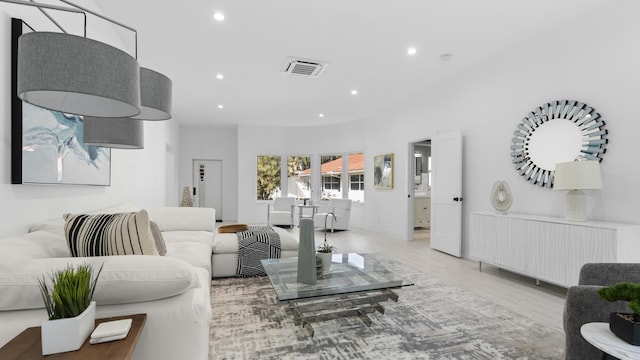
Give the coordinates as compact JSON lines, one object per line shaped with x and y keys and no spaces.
{"x":68,"y":334}
{"x":325,"y":259}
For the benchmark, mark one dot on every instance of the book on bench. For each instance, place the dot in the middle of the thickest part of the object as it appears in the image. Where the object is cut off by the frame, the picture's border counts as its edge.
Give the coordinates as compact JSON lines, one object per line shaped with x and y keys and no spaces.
{"x":110,"y":331}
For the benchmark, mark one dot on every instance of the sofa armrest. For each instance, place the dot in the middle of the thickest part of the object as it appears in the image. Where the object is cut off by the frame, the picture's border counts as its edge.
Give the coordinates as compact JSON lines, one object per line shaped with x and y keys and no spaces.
{"x":606,"y":274}
{"x":583,"y":305}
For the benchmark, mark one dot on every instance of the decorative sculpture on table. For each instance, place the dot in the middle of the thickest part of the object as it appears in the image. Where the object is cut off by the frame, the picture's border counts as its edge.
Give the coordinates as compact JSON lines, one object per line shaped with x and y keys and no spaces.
{"x":501,"y":198}
{"x":307,"y":268}
{"x":187,"y":200}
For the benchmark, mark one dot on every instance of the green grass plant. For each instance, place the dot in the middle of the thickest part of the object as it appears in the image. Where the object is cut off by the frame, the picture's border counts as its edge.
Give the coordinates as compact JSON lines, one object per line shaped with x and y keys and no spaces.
{"x":70,"y":292}
{"x":623,"y":291}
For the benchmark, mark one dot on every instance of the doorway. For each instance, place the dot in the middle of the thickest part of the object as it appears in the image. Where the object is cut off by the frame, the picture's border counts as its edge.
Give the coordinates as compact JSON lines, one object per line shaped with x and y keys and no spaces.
{"x":207,"y":185}
{"x":420,"y":190}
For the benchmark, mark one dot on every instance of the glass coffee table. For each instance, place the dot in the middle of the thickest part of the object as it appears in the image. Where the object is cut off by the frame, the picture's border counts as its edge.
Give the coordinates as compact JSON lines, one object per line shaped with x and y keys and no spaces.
{"x":355,"y":286}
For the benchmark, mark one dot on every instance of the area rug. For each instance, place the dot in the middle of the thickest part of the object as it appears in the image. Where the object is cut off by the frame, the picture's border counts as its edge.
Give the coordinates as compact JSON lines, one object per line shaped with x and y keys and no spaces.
{"x":431,"y":320}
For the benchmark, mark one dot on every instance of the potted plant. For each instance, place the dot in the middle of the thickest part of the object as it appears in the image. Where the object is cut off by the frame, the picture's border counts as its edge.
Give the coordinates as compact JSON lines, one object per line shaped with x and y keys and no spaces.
{"x":324,"y":253}
{"x":626,"y":326}
{"x":72,"y":313}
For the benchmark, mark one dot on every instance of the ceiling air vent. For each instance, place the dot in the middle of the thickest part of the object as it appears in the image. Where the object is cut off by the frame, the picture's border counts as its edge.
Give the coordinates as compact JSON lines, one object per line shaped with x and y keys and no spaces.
{"x":303,"y":67}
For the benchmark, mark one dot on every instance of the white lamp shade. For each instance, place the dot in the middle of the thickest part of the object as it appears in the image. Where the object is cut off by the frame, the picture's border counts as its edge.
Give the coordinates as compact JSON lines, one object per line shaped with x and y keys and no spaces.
{"x":117,"y":133}
{"x":77,"y":75}
{"x":155,"y":95}
{"x":577,"y":175}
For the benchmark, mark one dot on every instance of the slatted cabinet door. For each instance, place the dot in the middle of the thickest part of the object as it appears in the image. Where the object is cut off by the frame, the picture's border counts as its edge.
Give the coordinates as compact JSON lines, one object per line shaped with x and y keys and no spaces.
{"x":548,"y":248}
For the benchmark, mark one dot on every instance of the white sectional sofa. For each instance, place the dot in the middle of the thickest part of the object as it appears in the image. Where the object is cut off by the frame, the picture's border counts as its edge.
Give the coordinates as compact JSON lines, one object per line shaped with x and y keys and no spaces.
{"x":173,"y":290}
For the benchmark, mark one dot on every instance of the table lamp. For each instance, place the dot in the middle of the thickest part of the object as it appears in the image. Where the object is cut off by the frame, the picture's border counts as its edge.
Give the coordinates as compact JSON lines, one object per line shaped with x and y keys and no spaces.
{"x":576,"y":176}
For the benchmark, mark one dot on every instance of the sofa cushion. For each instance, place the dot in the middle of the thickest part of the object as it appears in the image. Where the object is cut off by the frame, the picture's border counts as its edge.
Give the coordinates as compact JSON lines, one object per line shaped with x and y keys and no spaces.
{"x":124,"y":279}
{"x":204,"y":237}
{"x":194,"y":253}
{"x":109,"y":234}
{"x":158,"y":239}
{"x":38,"y":244}
{"x":183,"y":218}
{"x":54,"y":226}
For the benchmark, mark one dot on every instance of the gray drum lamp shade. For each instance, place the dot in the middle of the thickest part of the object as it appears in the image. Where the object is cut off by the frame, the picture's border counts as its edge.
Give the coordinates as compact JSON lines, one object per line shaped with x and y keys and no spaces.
{"x":77,"y":75}
{"x":155,"y":95}
{"x":118,"y":133}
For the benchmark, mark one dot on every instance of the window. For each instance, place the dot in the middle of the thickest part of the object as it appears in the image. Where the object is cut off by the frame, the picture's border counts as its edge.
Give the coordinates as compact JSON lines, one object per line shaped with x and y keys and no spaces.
{"x":331,"y":183}
{"x":339,"y":179}
{"x":356,"y":177}
{"x":268,"y":177}
{"x":299,"y":176}
{"x":331,"y":170}
{"x":356,"y":182}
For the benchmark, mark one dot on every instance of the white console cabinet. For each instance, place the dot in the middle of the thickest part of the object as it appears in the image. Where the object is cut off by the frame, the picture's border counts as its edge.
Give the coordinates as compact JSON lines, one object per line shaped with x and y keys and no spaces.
{"x":548,"y":248}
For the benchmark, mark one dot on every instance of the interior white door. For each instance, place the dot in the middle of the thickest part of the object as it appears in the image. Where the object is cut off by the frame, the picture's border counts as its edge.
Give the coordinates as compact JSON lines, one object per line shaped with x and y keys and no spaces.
{"x":446,"y":193}
{"x":207,"y":182}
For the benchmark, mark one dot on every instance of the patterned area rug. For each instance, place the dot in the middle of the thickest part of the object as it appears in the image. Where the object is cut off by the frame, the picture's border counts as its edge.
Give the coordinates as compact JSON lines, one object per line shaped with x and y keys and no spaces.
{"x":431,"y":320}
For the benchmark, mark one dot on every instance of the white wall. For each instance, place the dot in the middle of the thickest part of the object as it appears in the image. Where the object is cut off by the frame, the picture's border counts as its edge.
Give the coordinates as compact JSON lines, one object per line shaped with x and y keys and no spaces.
{"x":594,"y":60}
{"x":137,"y":176}
{"x":212,"y":143}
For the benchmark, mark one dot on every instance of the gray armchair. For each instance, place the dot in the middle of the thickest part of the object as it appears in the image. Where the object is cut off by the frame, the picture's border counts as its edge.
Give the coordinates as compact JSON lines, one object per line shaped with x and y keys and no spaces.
{"x":583,"y":305}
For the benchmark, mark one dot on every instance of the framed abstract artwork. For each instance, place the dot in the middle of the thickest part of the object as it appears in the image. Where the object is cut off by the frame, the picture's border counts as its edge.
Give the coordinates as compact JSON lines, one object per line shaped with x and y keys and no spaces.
{"x":46,"y":146}
{"x":383,"y":171}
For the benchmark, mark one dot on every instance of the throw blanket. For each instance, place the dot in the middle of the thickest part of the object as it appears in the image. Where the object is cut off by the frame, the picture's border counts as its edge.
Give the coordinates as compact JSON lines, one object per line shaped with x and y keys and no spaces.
{"x":255,"y":244}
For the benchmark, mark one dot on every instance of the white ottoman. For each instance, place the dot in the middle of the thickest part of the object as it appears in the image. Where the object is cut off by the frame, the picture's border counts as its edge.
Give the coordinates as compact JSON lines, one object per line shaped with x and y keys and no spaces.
{"x":224,"y":259}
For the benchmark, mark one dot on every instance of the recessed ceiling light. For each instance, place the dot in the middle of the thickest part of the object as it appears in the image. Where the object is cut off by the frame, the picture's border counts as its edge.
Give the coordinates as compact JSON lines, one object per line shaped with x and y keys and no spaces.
{"x":219,"y":76}
{"x":220,"y":106}
{"x":354,"y":92}
{"x":411,"y":51}
{"x":320,"y":115}
{"x":218,"y":16}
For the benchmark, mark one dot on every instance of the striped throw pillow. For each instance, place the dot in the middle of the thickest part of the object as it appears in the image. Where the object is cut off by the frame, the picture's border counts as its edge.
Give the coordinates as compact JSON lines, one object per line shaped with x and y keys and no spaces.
{"x":109,"y":234}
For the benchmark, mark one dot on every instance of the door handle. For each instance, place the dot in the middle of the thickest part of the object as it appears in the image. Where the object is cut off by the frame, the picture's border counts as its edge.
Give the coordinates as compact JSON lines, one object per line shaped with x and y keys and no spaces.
{"x":457,"y":198}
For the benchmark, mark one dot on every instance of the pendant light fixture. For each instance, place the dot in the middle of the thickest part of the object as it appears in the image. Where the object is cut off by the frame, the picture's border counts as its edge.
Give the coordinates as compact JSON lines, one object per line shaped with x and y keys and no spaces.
{"x":155,"y":89}
{"x":119,"y":133}
{"x":77,"y":75}
{"x":74,"y":74}
{"x":155,"y":95}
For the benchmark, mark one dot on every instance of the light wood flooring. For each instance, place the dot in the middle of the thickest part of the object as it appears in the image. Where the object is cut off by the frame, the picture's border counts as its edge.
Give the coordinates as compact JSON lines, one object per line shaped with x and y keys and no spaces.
{"x":543,"y":303}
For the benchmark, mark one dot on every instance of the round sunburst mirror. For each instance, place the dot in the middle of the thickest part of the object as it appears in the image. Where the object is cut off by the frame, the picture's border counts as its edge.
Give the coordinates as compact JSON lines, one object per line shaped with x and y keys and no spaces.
{"x":559,"y":131}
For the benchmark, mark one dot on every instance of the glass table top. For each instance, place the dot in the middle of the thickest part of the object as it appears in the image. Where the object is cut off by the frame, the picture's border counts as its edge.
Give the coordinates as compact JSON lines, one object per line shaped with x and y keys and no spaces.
{"x":349,"y":273}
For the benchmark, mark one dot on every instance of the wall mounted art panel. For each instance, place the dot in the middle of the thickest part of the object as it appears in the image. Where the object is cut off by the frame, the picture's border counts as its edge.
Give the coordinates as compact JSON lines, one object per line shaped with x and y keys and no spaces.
{"x":46,"y":146}
{"x":383,"y":171}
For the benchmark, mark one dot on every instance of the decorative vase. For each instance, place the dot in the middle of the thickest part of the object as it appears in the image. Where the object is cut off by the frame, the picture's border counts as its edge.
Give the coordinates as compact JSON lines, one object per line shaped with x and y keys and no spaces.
{"x":307,"y":273}
{"x":325,"y":260}
{"x":625,"y":327}
{"x":187,"y":200}
{"x":501,"y":198}
{"x":68,"y":334}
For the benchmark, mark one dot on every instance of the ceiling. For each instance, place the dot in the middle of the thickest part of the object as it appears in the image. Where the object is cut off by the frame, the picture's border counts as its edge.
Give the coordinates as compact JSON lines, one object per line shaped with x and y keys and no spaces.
{"x":365,"y":43}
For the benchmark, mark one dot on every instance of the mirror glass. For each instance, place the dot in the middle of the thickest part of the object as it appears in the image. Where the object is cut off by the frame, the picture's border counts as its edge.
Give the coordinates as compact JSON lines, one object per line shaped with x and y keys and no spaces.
{"x":557,"y":141}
